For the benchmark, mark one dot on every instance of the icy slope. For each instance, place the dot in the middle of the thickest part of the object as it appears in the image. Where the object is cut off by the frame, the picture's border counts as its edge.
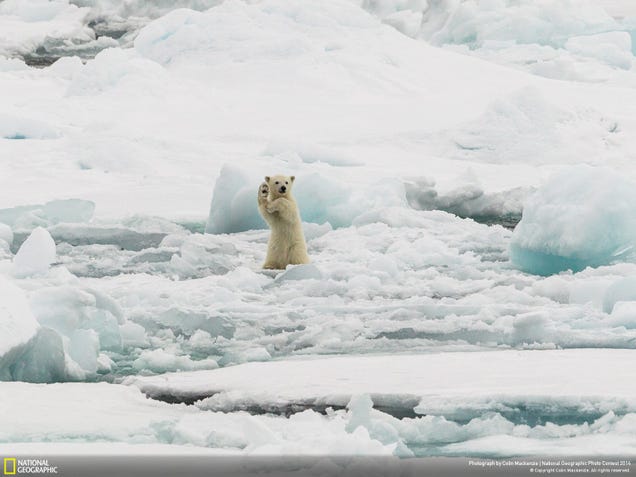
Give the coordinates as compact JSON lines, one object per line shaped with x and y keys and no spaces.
{"x":325,"y":89}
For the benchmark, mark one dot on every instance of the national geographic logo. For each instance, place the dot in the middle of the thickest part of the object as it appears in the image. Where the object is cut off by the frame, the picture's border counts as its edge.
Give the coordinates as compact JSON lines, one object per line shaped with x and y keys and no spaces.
{"x":15,"y":466}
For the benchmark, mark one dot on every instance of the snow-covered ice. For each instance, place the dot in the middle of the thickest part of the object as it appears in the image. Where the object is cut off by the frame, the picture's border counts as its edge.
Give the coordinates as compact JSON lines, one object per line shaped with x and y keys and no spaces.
{"x":448,"y":384}
{"x":109,"y":413}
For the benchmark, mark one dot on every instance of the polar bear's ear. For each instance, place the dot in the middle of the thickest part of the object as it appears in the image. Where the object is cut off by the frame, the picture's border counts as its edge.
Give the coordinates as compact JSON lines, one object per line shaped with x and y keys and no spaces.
{"x":292,"y":178}
{"x":267,"y":179}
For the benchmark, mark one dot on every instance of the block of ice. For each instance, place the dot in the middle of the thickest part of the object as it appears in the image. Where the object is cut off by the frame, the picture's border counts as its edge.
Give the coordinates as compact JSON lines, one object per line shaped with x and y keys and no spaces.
{"x":6,"y":234}
{"x":6,"y":239}
{"x":42,"y":361}
{"x":582,"y":217}
{"x":68,"y":210}
{"x":133,"y":335}
{"x":27,"y":217}
{"x":36,"y":254}
{"x":475,"y":23}
{"x":17,"y":324}
{"x":614,"y":48}
{"x":233,"y":207}
{"x":300,"y":272}
{"x":321,"y":199}
{"x":623,"y":289}
{"x":469,"y":200}
{"x":159,"y":360}
{"x":84,"y":349}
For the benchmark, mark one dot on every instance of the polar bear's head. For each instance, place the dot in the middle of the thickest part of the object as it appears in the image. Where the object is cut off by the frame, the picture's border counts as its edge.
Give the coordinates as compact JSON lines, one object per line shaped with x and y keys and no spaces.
{"x":280,"y":186}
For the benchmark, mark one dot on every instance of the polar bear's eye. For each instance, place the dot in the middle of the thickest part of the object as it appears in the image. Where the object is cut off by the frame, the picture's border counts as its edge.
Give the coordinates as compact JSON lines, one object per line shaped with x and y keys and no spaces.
{"x":276,"y":182}
{"x":286,"y":182}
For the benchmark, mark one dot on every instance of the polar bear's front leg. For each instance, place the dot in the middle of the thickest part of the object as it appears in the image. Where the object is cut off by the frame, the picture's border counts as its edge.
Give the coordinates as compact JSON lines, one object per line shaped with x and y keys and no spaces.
{"x":283,"y":207}
{"x":263,"y":201}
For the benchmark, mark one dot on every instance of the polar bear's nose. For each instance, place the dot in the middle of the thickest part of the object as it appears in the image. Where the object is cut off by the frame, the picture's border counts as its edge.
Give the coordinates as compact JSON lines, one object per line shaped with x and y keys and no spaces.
{"x":283,"y":188}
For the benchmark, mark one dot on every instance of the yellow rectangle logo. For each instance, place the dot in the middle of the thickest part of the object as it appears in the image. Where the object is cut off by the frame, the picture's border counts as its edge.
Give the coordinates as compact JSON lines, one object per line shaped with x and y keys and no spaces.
{"x":9,"y":465}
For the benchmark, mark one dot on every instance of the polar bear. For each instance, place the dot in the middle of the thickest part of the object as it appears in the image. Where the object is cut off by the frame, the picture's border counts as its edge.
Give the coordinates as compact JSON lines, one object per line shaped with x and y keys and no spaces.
{"x":277,"y":206}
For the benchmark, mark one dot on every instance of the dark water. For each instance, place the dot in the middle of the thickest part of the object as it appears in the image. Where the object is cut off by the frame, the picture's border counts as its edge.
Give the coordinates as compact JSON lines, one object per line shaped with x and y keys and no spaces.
{"x":507,"y":221}
{"x":43,"y":56}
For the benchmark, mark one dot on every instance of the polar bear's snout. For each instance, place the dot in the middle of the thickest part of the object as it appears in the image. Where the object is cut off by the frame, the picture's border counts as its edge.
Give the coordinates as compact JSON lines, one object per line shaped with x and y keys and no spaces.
{"x":282,"y":189}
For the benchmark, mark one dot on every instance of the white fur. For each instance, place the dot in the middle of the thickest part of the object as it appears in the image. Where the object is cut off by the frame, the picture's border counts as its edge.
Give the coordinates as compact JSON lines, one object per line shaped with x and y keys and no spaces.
{"x":279,"y":209}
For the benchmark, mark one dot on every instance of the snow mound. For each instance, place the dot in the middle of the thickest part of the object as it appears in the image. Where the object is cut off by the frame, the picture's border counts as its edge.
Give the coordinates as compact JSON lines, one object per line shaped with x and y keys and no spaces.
{"x":528,"y":128}
{"x":35,"y":255}
{"x":320,"y":198}
{"x":111,"y":68}
{"x":16,"y":127}
{"x":311,"y":153}
{"x":188,"y":32}
{"x":582,"y":217}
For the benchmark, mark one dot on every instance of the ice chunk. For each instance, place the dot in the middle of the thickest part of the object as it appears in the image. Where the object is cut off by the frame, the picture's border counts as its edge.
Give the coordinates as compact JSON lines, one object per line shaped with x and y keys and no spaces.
{"x":43,"y":360}
{"x":83,"y":234}
{"x":87,"y":321}
{"x":300,"y":272}
{"x":467,"y":201}
{"x":27,"y":352}
{"x":27,"y":217}
{"x":321,"y":199}
{"x":476,"y":23}
{"x":233,"y":207}
{"x":133,"y":335}
{"x":17,"y":324}
{"x":69,"y":210}
{"x":189,"y":321}
{"x":36,"y":254}
{"x":624,"y":314}
{"x":614,"y":48}
{"x":15,"y":127}
{"x":582,"y":217}
{"x":623,"y":289}
{"x":6,"y":239}
{"x":84,"y":349}
{"x":159,"y":360}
